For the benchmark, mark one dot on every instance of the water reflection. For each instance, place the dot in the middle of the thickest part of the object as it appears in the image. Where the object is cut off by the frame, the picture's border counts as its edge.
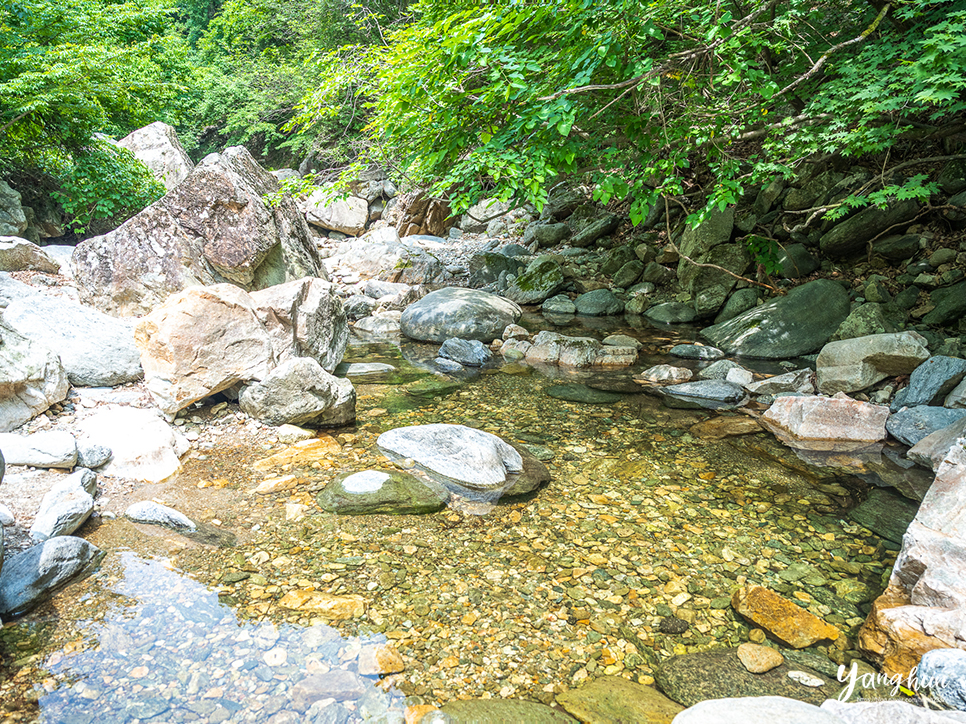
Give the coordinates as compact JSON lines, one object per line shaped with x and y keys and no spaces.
{"x":164,"y":649}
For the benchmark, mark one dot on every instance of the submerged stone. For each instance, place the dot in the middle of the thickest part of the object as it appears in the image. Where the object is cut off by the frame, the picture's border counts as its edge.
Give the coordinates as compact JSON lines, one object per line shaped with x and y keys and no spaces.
{"x":373,"y":492}
{"x":582,"y":393}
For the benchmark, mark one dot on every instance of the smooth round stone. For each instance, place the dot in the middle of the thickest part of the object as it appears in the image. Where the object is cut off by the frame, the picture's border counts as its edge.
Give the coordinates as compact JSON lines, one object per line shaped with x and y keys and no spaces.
{"x":598,"y":303}
{"x":671,"y":313}
{"x":707,"y":394}
{"x":696,"y":351}
{"x":759,"y":659}
{"x":560,"y":304}
{"x":582,"y":393}
{"x":373,"y":492}
{"x":621,"y":340}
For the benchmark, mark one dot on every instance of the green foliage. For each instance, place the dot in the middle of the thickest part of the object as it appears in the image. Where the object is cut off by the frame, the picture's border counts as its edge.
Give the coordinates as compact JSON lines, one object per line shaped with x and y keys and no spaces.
{"x":106,"y":183}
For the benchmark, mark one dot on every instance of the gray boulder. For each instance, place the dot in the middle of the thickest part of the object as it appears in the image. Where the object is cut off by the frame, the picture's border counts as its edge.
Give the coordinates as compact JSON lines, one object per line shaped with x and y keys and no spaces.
{"x":936,"y":446}
{"x":930,"y":382}
{"x":850,"y":236}
{"x":866,"y":320}
{"x":546,"y":235}
{"x":943,"y":673}
{"x":853,"y":364}
{"x":710,"y":287}
{"x":912,"y":424}
{"x":559,"y":304}
{"x":598,"y":303}
{"x":671,"y":313}
{"x":92,"y":456}
{"x":327,"y":209}
{"x":46,"y":449}
{"x":702,"y":394}
{"x":13,"y":221}
{"x":300,"y":392}
{"x":157,"y":147}
{"x":215,"y":226}
{"x":899,"y":247}
{"x":950,"y":305}
{"x":151,"y":513}
{"x":698,"y":241}
{"x":373,"y":492}
{"x":741,"y":301}
{"x":542,"y":278}
{"x":718,"y":370}
{"x":796,"y":261}
{"x":32,"y":576}
{"x":797,"y":381}
{"x":457,"y":312}
{"x":786,"y":327}
{"x":472,"y":457}
{"x":952,"y":179}
{"x":31,"y":379}
{"x":18,"y":254}
{"x":359,"y":305}
{"x":487,"y":266}
{"x":595,"y":230}
{"x":65,"y":507}
{"x":468,"y":352}
{"x":695,"y":351}
{"x":95,"y":349}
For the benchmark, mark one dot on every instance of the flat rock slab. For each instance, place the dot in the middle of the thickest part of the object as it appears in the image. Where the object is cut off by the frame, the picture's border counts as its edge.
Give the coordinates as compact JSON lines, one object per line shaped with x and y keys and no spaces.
{"x":575,"y":392}
{"x":364,"y":369}
{"x":695,"y":351}
{"x":913,"y":424}
{"x":718,"y":674}
{"x":787,"y":622}
{"x":854,"y":364}
{"x":457,"y":312}
{"x":666,"y":373}
{"x":472,"y":457}
{"x":488,"y":711}
{"x":826,"y":423}
{"x":615,"y":699}
{"x":48,"y":449}
{"x":702,"y":394}
{"x":885,"y":514}
{"x":933,"y":449}
{"x":756,"y":710}
{"x":786,"y":327}
{"x":151,"y":513}
{"x":930,"y":382}
{"x":372,"y":492}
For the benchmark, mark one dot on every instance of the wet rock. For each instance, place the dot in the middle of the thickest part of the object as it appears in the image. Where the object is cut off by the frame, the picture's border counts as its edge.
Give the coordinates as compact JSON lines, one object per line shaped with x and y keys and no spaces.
{"x":365,"y":369}
{"x":457,"y":312}
{"x":484,"y":711}
{"x":600,"y":302}
{"x":376,"y":492}
{"x":31,"y":379}
{"x":671,"y":313}
{"x":558,"y":349}
{"x":95,"y":349}
{"x":326,"y":605}
{"x":912,"y":424}
{"x":797,"y":381}
{"x":666,"y":373}
{"x":380,"y":660}
{"x":30,"y":577}
{"x":621,"y":340}
{"x":151,"y":513}
{"x":850,"y":236}
{"x":943,"y":673}
{"x":849,"y":365}
{"x":755,"y":710}
{"x":300,"y":392}
{"x":157,"y":146}
{"x":612,"y":699}
{"x":560,"y":304}
{"x":692,"y":678}
{"x":930,"y":382}
{"x":935,"y":447}
{"x":826,"y":423}
{"x":337,"y":684}
{"x":759,"y":659}
{"x":468,"y":352}
{"x":673,"y":625}
{"x":541,"y":279}
{"x":49,"y":449}
{"x":786,"y":327}
{"x":695,"y":351}
{"x":885,"y":514}
{"x":472,"y":457}
{"x":718,"y":370}
{"x":18,"y":254}
{"x":703,"y":394}
{"x":575,"y":392}
{"x":202,"y":341}
{"x":790,"y":624}
{"x":304,"y":318}
{"x":65,"y":507}
{"x":215,"y":226}
{"x":144,"y":446}
{"x":719,"y":428}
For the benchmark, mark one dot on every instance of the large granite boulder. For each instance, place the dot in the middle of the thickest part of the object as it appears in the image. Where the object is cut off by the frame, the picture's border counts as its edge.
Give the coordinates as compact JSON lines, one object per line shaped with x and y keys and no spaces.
{"x":854,"y":364}
{"x":96,"y":350}
{"x":924,"y":606}
{"x":18,"y":254}
{"x":326,"y":209}
{"x":13,"y":221}
{"x":216,"y":226}
{"x":786,"y":327}
{"x":458,"y":312}
{"x":157,"y":147}
{"x":66,"y":506}
{"x":31,"y":379}
{"x":30,"y":577}
{"x":826,"y":423}
{"x":202,"y":341}
{"x":305,"y":318}
{"x":299,"y":392}
{"x":542,"y":278}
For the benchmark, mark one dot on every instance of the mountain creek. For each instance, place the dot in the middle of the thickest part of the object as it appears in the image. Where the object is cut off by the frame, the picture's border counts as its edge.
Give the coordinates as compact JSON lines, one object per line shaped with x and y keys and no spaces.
{"x":630,"y":555}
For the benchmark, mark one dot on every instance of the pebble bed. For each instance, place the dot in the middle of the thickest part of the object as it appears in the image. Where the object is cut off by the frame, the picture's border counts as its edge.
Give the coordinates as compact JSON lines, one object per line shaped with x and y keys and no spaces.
{"x":629,"y":556}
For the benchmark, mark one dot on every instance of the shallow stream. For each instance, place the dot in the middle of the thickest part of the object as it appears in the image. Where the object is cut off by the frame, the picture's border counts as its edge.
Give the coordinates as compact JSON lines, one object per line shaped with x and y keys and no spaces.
{"x":644,"y":523}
